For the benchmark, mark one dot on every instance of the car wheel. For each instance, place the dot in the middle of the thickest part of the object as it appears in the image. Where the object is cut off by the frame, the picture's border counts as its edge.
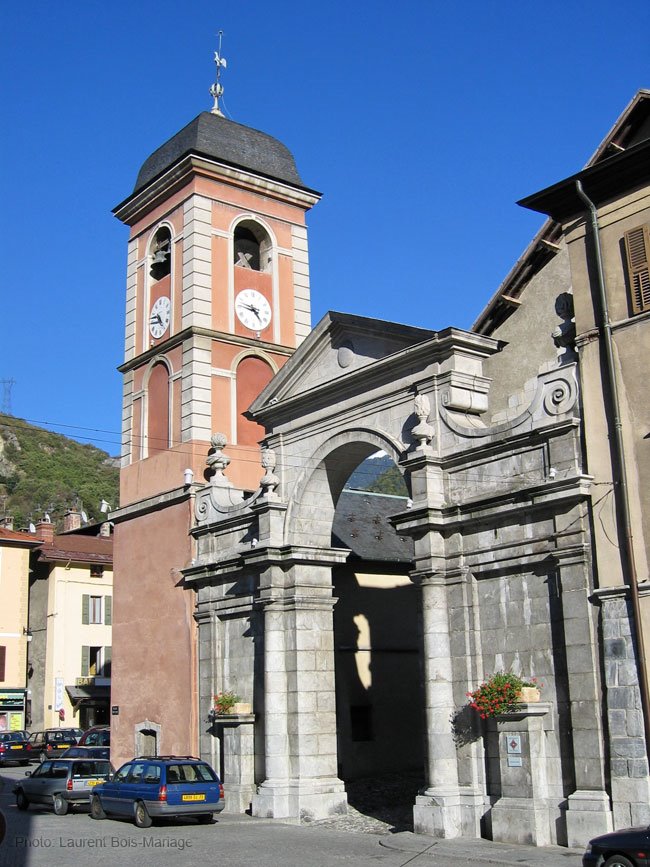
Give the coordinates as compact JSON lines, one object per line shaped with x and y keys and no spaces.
{"x":60,"y":805}
{"x":205,"y":818}
{"x":618,"y":861}
{"x":96,"y":809}
{"x":22,"y":801}
{"x":141,"y":817}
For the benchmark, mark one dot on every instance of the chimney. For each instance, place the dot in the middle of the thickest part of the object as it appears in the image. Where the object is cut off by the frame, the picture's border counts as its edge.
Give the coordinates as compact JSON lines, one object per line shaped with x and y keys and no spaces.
{"x":105,"y":529}
{"x":45,"y":531}
{"x":7,"y":522}
{"x":71,"y":520}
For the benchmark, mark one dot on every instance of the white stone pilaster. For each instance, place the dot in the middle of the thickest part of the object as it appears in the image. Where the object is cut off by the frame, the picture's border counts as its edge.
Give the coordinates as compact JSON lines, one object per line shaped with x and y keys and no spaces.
{"x":438,"y":811}
{"x":196,"y":392}
{"x":197,"y":263}
{"x":131,"y":300}
{"x":127,"y":419}
{"x":302,"y":300}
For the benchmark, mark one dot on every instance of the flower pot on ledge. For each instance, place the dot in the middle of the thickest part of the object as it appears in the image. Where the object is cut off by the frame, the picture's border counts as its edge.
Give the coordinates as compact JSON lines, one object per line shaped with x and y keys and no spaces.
{"x":238,"y":708}
{"x":241,"y":707}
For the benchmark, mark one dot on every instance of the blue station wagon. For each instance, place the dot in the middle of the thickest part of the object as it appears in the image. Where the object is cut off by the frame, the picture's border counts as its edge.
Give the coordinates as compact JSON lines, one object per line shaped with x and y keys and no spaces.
{"x":161,"y":786}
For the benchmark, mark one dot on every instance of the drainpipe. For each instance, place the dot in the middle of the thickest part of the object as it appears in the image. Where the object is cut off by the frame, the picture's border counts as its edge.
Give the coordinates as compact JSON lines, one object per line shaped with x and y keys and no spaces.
{"x":622,"y":487}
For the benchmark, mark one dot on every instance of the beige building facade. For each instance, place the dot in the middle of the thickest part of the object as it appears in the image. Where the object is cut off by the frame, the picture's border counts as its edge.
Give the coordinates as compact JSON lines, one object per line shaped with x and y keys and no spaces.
{"x":71,"y":614}
{"x":15,"y":552}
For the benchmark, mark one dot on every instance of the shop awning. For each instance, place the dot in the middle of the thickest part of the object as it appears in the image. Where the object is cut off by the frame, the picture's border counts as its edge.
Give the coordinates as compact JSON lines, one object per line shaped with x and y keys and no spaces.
{"x":88,"y":695}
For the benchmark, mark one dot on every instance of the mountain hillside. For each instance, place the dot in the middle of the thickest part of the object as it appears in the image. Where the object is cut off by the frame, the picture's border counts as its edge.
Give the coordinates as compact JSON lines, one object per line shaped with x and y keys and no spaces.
{"x":41,"y":471}
{"x":378,"y":474}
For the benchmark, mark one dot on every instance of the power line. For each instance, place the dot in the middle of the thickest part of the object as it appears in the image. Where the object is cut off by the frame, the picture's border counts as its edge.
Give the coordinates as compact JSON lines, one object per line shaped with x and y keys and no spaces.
{"x":290,"y":460}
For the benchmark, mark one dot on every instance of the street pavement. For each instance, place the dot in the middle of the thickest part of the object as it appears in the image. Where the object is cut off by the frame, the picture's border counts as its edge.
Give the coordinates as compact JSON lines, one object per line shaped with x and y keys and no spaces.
{"x":38,"y":837}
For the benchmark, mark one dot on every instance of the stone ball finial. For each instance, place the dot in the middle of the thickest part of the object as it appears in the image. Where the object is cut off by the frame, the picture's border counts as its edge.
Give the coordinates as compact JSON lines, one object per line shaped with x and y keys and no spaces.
{"x":217,"y":461}
{"x":422,"y":431}
{"x":564,"y":336}
{"x":269,"y":480}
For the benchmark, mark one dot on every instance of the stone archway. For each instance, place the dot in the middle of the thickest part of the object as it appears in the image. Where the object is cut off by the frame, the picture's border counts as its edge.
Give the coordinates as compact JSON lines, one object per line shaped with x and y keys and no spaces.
{"x":263,"y":571}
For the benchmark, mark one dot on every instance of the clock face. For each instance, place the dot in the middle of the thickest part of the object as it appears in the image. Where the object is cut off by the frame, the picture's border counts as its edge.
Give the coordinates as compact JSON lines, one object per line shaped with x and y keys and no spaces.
{"x":159,"y":317}
{"x":252,"y":309}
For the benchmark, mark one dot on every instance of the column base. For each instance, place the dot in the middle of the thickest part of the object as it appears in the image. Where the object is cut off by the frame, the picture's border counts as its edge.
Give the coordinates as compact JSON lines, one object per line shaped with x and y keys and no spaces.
{"x":304,"y":800}
{"x":438,"y":813}
{"x":521,"y":820}
{"x":238,"y":798}
{"x":589,"y":814}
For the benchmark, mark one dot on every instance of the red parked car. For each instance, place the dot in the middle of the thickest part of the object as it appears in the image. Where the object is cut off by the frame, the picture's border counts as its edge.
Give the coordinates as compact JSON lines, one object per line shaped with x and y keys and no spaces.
{"x":97,"y":736}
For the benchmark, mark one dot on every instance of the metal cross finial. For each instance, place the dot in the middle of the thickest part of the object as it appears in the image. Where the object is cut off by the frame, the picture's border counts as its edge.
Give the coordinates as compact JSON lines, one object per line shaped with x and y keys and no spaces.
{"x":216,"y":90}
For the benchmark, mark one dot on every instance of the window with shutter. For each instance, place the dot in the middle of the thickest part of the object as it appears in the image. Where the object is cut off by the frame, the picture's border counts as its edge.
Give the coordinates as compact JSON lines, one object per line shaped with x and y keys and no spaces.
{"x":85,"y":608}
{"x":637,"y":249}
{"x":108,"y":610}
{"x":106,"y":670}
{"x":85,"y":660}
{"x":3,"y":661}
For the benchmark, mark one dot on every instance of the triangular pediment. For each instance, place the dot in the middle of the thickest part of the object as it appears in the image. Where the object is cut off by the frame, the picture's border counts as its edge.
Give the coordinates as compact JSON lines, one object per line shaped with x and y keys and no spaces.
{"x":338,"y":346}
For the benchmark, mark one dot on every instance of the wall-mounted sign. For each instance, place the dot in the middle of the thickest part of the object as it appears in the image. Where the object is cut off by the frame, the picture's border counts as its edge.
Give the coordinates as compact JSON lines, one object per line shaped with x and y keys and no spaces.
{"x":515,"y":762}
{"x":59,"y":687}
{"x":514,"y":745}
{"x":115,"y":710}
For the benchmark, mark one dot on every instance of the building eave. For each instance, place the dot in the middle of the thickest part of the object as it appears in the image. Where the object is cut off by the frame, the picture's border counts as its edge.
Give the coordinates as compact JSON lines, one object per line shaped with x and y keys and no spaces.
{"x":138,"y":204}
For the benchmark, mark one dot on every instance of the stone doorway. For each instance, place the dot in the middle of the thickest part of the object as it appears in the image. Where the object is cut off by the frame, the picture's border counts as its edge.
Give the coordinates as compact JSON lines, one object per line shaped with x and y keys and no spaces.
{"x":379,"y":701}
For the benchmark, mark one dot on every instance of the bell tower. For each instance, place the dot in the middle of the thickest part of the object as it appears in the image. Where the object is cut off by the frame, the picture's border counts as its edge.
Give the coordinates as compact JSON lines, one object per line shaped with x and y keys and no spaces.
{"x":217,"y":296}
{"x":217,"y":300}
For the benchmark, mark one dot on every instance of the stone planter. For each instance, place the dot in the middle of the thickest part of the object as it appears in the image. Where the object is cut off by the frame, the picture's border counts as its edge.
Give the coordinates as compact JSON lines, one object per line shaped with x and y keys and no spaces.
{"x":241,"y":707}
{"x":529,"y":694}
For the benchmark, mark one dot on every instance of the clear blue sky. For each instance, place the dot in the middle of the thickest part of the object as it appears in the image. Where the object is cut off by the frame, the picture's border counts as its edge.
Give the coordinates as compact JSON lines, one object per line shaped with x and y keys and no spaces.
{"x":421,"y":122}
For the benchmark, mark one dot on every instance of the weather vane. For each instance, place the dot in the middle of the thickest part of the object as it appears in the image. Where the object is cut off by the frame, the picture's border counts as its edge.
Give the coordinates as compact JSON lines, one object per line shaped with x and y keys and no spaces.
{"x":216,"y":90}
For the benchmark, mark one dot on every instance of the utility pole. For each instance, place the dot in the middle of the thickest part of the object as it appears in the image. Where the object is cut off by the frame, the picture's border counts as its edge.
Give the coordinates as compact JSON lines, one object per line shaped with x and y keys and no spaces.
{"x":7,"y":385}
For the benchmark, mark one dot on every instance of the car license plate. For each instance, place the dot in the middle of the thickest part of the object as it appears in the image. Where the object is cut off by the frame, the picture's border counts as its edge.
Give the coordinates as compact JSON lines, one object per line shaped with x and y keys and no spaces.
{"x":193,"y":797}
{"x":62,"y":746}
{"x":94,"y":782}
{"x":16,"y":748}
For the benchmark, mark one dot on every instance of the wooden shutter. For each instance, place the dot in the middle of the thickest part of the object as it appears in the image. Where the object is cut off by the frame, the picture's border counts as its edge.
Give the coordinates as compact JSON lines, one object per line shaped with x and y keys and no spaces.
{"x":106,"y":670}
{"x":85,"y":606}
{"x":108,"y":610}
{"x":3,"y":661}
{"x":637,"y":248}
{"x":85,"y":661}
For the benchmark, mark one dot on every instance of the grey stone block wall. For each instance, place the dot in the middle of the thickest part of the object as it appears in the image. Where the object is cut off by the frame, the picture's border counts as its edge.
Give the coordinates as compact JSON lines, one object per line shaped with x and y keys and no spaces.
{"x":628,"y":760}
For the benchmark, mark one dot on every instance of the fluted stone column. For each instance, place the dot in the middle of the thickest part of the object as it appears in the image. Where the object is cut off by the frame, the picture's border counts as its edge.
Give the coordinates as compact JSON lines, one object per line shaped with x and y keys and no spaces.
{"x":437,"y":810}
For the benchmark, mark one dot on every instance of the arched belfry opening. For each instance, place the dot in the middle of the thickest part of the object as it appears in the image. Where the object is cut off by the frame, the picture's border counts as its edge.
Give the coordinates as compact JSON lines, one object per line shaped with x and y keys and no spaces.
{"x":251,"y":246}
{"x":160,"y":254}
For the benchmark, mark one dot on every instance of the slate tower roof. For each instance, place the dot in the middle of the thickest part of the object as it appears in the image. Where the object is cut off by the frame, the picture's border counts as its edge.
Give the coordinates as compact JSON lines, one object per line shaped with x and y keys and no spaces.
{"x":228,"y":142}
